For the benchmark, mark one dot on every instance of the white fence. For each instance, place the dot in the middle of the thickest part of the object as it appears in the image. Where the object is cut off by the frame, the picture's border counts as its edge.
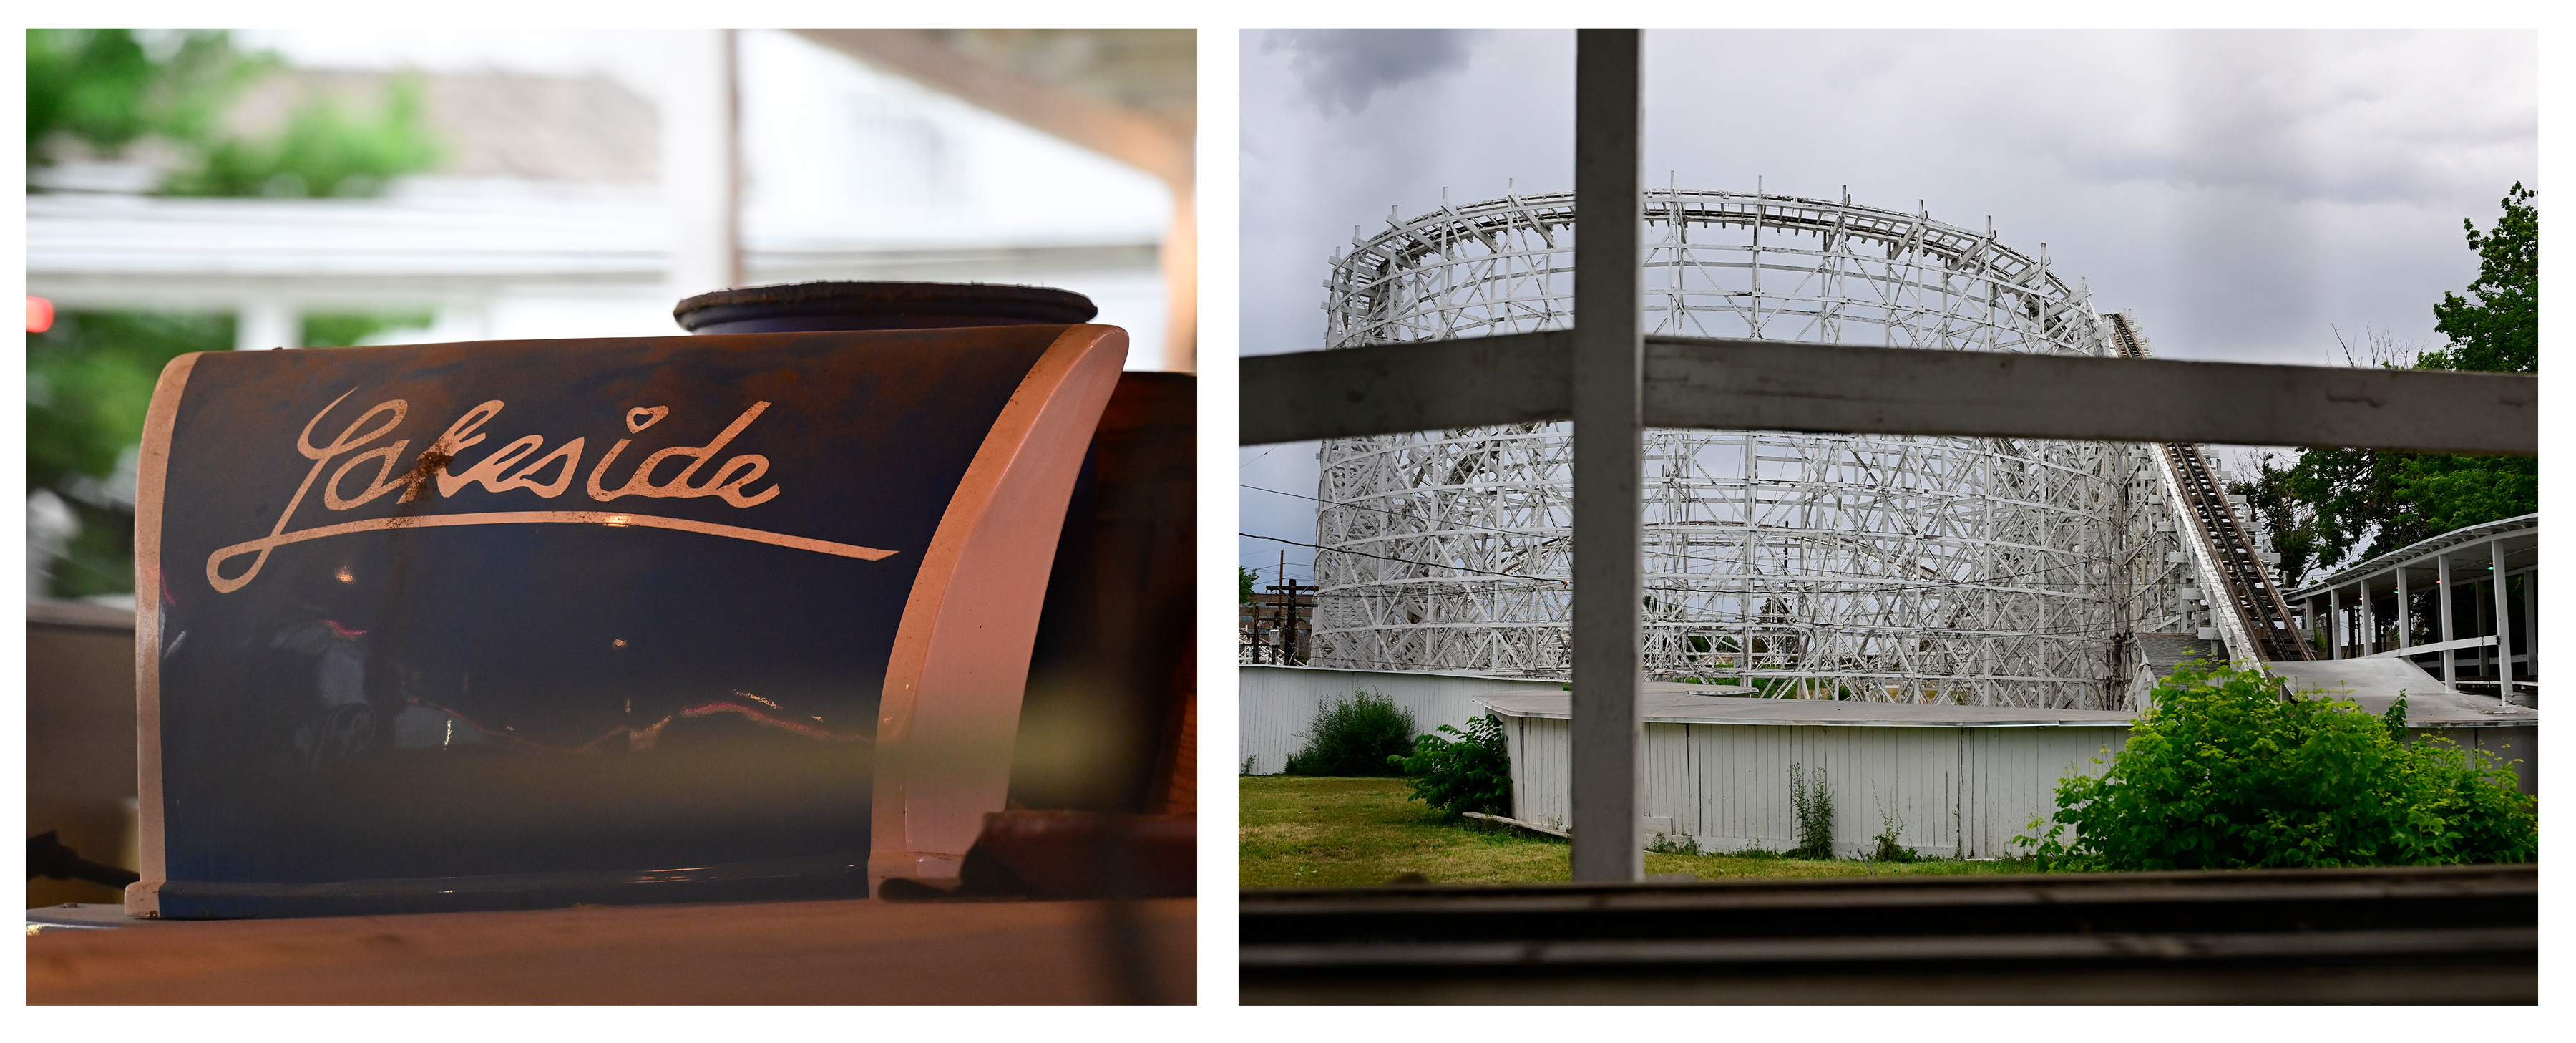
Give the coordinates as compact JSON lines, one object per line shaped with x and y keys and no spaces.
{"x":1279,"y":703}
{"x":1952,"y":791}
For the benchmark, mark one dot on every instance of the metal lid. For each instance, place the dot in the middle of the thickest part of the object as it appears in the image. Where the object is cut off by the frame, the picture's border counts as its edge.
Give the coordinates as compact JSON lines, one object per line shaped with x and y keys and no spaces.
{"x":878,"y":305}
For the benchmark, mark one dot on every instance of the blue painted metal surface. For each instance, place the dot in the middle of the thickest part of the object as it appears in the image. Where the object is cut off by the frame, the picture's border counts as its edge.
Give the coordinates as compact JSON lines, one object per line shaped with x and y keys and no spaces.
{"x":534,"y":673}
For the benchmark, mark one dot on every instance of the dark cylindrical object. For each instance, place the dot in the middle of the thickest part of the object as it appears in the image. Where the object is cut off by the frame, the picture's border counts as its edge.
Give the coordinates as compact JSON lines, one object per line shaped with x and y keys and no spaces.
{"x":1110,"y":701}
{"x":822,"y":306}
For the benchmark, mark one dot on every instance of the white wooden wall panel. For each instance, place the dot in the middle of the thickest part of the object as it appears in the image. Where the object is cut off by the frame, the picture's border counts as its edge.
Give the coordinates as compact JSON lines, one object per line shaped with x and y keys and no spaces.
{"x":1279,"y":704}
{"x":1726,"y":786}
{"x":1542,"y":769}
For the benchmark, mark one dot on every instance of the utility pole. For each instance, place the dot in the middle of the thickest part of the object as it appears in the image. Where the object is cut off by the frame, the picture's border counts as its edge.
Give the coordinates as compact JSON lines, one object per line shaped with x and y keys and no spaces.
{"x":1289,"y":589}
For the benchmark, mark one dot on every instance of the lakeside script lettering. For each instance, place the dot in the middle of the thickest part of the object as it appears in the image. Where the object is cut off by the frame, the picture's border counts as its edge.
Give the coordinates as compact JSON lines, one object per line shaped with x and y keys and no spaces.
{"x":523,"y":465}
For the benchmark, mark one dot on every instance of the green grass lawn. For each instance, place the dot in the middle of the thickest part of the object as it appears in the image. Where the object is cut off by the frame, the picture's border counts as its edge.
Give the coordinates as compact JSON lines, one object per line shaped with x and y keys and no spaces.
{"x":1326,"y":832}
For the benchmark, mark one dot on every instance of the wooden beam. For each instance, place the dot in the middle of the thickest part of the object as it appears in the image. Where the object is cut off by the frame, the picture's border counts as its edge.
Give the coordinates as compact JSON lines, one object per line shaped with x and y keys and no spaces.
{"x":1148,"y":143}
{"x":1782,"y":386}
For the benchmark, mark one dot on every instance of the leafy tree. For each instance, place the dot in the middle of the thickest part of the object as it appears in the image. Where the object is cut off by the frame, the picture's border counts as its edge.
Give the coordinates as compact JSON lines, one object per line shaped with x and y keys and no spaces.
{"x":2328,"y":502}
{"x":89,"y":381}
{"x":104,"y":87}
{"x":90,"y":378}
{"x":2497,"y":327}
{"x":2225,"y":770}
{"x":340,"y":329}
{"x":1243,"y":578}
{"x":1472,"y":772}
{"x":324,"y":151}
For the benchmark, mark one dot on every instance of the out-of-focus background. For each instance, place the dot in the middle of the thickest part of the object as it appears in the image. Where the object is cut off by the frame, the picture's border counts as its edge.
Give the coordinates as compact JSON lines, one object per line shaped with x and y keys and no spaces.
{"x":204,"y":190}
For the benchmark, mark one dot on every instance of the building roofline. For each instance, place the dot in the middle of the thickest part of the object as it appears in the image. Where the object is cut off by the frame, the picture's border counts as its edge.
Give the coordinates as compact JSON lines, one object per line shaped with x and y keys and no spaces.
{"x":2418,"y":549}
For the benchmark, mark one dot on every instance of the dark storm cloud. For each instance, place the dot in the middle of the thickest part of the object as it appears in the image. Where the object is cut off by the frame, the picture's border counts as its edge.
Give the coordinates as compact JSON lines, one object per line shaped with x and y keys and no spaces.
{"x":1344,"y":68}
{"x":1311,"y":172}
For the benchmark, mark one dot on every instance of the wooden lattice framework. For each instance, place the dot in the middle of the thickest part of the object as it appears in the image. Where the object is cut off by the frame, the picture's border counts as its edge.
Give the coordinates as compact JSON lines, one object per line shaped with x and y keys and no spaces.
{"x":1976,"y":570}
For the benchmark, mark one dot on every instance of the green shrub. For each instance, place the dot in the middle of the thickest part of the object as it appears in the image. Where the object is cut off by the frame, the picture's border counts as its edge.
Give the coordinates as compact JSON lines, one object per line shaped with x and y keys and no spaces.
{"x":2225,"y":771}
{"x":1815,"y":807}
{"x":1355,"y":736}
{"x":1888,"y":850}
{"x":1472,"y":772}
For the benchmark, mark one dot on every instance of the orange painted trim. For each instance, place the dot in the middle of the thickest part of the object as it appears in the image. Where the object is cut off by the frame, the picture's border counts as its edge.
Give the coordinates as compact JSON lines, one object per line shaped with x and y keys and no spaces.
{"x":950,"y":713}
{"x":142,"y":898}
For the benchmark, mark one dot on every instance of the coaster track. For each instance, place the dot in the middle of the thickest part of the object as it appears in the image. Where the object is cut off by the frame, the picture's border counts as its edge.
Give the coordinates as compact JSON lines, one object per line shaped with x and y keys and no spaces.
{"x":2232,"y":552}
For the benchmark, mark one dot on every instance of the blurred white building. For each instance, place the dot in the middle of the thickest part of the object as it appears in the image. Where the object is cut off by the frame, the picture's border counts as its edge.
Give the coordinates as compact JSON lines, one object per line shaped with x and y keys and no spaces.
{"x":551,"y":215}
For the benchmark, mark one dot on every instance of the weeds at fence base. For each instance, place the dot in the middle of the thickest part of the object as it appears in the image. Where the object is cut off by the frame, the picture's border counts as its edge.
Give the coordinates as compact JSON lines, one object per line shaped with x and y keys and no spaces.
{"x":1340,"y":832}
{"x":1887,"y":849}
{"x":1814,"y":804}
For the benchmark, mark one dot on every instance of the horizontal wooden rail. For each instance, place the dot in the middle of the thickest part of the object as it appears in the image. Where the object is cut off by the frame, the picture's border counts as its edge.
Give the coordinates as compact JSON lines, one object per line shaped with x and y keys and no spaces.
{"x":1517,"y":378}
{"x":2447,"y":934}
{"x":1781,"y":386}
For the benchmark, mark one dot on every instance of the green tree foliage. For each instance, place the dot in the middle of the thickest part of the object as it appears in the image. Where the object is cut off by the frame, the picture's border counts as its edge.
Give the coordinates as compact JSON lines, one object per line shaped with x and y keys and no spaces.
{"x":106,"y":88}
{"x":340,"y":329}
{"x":324,"y":151}
{"x":90,"y":378}
{"x":2497,"y":327}
{"x":1355,"y":736}
{"x":1243,"y":578}
{"x":2226,"y":771}
{"x":2323,"y":506}
{"x":89,"y":382}
{"x":1471,"y":772}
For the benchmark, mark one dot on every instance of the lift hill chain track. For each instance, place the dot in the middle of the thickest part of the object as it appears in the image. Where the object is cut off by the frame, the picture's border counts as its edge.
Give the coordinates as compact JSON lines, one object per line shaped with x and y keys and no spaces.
{"x":2231,"y":547}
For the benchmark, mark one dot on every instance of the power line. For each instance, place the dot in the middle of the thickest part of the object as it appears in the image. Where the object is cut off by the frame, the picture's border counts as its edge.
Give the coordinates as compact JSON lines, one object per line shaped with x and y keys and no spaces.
{"x":1293,"y":567}
{"x":1407,"y":561}
{"x":1379,"y":510}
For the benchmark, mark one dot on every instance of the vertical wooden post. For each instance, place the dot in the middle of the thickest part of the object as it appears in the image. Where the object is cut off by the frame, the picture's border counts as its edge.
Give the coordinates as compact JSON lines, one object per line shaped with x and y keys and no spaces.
{"x":2504,"y":621}
{"x":701,"y":163}
{"x":266,"y":323}
{"x":2531,"y":625}
{"x":2334,"y":622}
{"x":2450,"y":656}
{"x":2324,"y":637}
{"x":2404,"y":614}
{"x":1609,"y":422}
{"x":2369,"y":623}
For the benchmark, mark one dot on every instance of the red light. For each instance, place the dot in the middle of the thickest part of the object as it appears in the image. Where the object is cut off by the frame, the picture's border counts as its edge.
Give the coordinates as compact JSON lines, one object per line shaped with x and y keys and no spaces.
{"x":40,"y":315}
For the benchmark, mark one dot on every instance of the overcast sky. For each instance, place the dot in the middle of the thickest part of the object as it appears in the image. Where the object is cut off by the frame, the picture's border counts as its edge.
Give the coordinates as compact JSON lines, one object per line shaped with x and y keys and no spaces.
{"x":2243,"y":192}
